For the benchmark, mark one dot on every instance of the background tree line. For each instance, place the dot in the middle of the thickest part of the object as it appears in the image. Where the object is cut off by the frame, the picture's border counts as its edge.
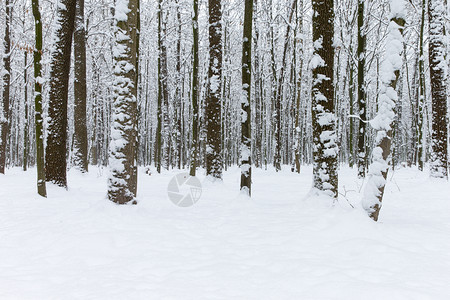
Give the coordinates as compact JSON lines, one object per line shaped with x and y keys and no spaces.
{"x":194,"y":83}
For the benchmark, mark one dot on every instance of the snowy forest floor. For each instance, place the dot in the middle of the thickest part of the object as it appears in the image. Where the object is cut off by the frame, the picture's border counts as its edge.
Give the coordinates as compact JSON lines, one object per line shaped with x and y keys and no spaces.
{"x":277,"y":245}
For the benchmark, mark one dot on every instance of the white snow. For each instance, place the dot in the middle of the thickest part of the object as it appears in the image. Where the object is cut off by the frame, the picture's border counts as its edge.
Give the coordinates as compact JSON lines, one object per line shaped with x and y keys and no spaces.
{"x":121,"y":10}
{"x":214,"y":83}
{"x":77,"y":245}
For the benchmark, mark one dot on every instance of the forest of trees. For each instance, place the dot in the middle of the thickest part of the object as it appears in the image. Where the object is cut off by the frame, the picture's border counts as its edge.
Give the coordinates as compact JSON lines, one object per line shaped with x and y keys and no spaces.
{"x":211,"y":84}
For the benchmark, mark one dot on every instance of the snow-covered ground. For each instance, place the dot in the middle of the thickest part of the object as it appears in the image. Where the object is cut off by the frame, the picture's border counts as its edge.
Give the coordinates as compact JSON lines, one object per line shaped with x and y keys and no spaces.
{"x":277,"y":245}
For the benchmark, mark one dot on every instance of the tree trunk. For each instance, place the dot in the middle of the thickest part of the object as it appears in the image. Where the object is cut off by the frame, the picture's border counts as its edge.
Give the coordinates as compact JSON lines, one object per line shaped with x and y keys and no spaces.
{"x":361,"y":56}
{"x":25,"y":129}
{"x":123,"y":179}
{"x":164,"y":78}
{"x":246,"y":130}
{"x":38,"y":81}
{"x":80,"y":133}
{"x":214,"y":97}
{"x":179,"y":93}
{"x":351,"y":121}
{"x":4,"y":117}
{"x":55,"y":155}
{"x":383,"y":122}
{"x":195,"y":112}
{"x":422,"y":89}
{"x":437,"y":52}
{"x":325,"y":149}
{"x":297,"y":132}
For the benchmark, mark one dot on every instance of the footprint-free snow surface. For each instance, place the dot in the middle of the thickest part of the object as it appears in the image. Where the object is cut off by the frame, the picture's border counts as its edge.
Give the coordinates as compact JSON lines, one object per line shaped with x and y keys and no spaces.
{"x":280,"y":244}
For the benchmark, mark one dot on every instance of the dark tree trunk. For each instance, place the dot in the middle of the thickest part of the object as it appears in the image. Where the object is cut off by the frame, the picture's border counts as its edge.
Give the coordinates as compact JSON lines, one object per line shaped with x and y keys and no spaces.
{"x":214,"y":97}
{"x":179,"y":93}
{"x":195,"y":112}
{"x":325,"y":150}
{"x":158,"y":144}
{"x":80,"y":133}
{"x":4,"y":116}
{"x":164,"y":78}
{"x":246,"y":130}
{"x":361,"y":56}
{"x":422,"y":97}
{"x":298,"y":94}
{"x":39,"y":132}
{"x":437,"y":52}
{"x":26,"y":146}
{"x":55,"y":155}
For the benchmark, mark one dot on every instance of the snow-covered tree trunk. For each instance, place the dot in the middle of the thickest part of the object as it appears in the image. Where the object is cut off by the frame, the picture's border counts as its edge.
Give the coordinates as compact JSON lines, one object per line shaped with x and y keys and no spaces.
{"x":214,"y":97}
{"x":383,"y":122}
{"x":80,"y":130}
{"x":246,"y":129}
{"x":55,"y":154}
{"x":122,"y":159}
{"x":361,"y":56}
{"x":5,"y":113}
{"x":325,"y":149}
{"x":438,"y":75}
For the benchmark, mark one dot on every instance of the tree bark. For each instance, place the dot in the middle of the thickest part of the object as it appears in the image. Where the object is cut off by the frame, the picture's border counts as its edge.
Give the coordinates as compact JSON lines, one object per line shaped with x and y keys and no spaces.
{"x":122,"y":182}
{"x":325,"y":149}
{"x":437,"y":52}
{"x":5,"y":116}
{"x":195,"y":90}
{"x":26,"y":146}
{"x":40,"y":163}
{"x":214,"y":98}
{"x":361,"y":56}
{"x":246,"y":130}
{"x":80,"y":133}
{"x":55,"y":155}
{"x":422,"y":97}
{"x":298,"y":94}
